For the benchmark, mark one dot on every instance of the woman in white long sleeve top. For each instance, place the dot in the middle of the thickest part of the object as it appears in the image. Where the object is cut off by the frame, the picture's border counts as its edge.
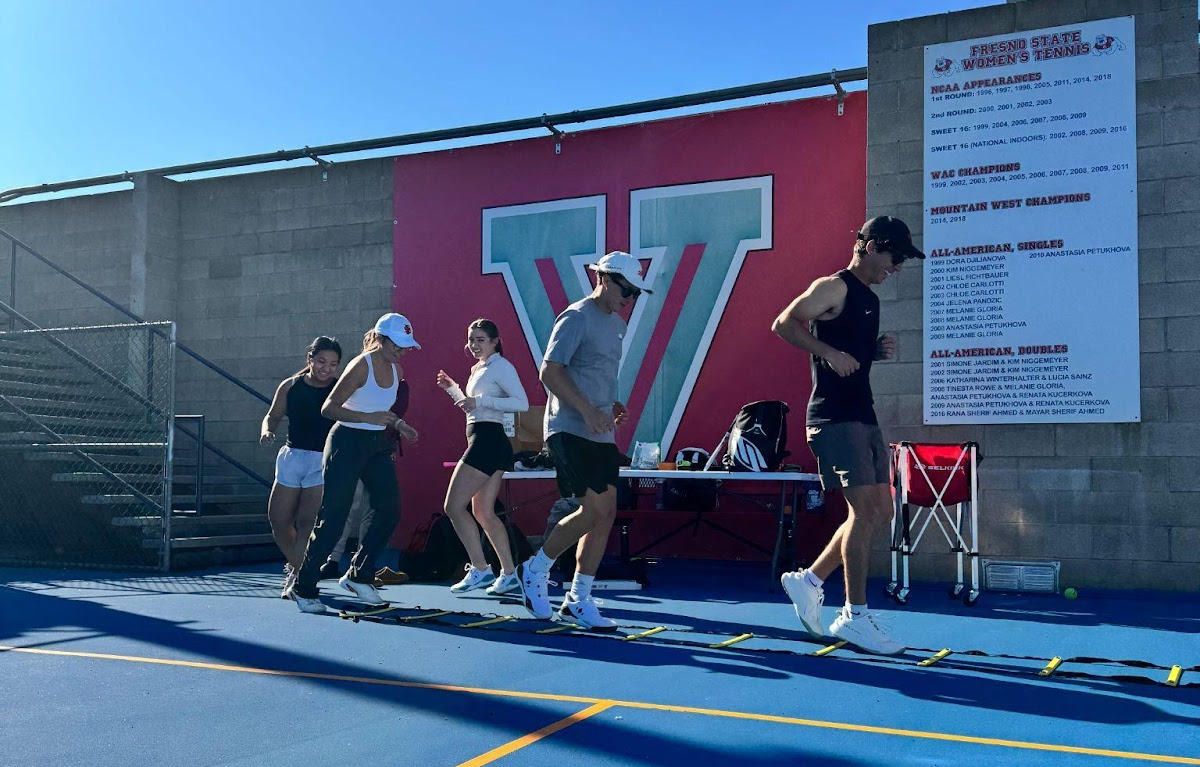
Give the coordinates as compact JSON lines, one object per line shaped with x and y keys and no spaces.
{"x":493,"y":391}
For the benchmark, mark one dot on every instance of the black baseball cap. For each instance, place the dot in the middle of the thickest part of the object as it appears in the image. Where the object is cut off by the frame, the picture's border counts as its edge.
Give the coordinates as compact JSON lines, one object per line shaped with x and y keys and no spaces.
{"x":890,"y":234}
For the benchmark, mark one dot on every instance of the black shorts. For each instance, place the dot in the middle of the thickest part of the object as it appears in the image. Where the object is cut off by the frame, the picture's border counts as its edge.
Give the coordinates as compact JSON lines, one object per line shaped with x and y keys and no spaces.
{"x":583,"y":465}
{"x":488,"y":448}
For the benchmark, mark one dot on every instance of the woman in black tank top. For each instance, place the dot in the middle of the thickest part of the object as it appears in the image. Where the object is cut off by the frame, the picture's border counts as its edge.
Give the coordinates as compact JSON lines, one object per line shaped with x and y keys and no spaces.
{"x":299,"y":486}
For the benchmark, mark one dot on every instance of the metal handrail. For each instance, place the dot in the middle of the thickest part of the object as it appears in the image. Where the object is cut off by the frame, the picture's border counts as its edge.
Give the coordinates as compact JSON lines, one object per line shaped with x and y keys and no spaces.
{"x":547,"y":122}
{"x":181,"y":347}
{"x":199,"y":437}
{"x":226,"y":456}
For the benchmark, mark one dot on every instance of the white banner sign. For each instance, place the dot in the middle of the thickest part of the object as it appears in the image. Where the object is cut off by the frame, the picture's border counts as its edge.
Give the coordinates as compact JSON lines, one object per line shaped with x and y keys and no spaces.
{"x":1031,"y":280}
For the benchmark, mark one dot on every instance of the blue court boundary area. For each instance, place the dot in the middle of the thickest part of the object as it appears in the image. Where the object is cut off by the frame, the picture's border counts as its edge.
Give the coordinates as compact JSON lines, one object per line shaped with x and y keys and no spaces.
{"x":146,"y":618}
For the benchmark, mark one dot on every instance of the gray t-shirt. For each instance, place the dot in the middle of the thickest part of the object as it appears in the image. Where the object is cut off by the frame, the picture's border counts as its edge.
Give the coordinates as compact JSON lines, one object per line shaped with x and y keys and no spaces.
{"x":588,"y":343}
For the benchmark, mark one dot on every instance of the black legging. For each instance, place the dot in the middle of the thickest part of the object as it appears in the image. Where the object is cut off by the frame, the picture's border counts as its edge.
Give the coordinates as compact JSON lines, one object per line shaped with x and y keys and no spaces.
{"x":350,"y":455}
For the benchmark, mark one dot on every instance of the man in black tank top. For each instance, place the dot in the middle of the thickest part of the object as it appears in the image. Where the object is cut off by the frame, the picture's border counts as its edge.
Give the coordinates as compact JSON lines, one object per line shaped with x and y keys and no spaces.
{"x":836,"y":320}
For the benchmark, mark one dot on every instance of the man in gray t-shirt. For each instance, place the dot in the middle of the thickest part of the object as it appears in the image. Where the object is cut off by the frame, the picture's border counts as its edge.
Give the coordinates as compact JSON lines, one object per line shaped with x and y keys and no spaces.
{"x":580,"y":372}
{"x":586,"y":342}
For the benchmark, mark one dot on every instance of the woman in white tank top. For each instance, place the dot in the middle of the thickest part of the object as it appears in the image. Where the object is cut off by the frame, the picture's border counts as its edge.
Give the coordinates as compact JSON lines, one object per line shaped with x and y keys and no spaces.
{"x":358,"y":449}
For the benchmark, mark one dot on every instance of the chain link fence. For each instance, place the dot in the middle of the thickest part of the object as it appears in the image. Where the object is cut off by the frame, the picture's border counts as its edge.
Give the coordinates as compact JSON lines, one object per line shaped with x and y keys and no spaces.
{"x":85,"y":443}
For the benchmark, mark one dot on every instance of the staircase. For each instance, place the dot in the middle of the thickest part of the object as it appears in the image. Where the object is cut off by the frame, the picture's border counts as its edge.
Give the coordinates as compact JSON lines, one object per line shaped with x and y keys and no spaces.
{"x":97,"y":470}
{"x":82,"y":450}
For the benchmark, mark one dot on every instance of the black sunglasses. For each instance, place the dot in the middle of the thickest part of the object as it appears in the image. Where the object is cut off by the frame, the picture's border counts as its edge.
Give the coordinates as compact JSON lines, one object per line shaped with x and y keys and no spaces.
{"x":886,"y":245}
{"x":897,"y":257}
{"x":627,"y":290}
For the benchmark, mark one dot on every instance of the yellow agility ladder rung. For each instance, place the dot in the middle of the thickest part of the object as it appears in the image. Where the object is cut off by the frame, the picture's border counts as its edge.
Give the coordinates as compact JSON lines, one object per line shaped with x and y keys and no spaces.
{"x":1051,"y":667}
{"x":426,"y":616}
{"x":1175,"y":675}
{"x":935,"y":658}
{"x":830,"y":648}
{"x":728,"y":642}
{"x":557,"y":629}
{"x":488,"y":622}
{"x":353,"y":615}
{"x":651,"y":632}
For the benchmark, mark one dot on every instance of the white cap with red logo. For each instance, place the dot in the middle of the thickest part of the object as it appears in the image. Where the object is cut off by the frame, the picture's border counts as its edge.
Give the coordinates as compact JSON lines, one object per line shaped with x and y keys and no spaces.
{"x":398,"y":329}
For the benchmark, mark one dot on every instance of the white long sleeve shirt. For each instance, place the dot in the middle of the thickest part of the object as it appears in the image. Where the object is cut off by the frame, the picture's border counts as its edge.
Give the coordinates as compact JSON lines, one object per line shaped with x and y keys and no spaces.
{"x":496,"y":389}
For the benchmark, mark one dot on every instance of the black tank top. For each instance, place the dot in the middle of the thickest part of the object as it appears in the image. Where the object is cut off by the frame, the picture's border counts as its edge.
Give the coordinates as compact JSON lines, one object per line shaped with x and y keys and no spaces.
{"x":307,"y":428}
{"x":856,"y":332}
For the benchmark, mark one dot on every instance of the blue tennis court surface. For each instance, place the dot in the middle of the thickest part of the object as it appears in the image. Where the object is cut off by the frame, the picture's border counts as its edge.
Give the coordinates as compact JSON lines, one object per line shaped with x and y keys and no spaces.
{"x":212,"y":668}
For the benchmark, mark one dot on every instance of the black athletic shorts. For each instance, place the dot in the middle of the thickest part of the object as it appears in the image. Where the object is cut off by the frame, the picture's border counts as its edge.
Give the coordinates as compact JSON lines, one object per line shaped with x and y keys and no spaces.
{"x":583,"y":464}
{"x":488,"y":448}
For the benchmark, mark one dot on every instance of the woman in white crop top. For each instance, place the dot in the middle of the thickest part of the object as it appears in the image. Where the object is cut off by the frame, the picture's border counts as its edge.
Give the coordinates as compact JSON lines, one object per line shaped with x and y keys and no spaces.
{"x":493,"y":393}
{"x":359,"y":449}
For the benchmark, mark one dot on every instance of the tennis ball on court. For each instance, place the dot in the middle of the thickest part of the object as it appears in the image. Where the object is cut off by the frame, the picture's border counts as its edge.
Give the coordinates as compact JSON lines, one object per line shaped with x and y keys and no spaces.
{"x":1070,"y":593}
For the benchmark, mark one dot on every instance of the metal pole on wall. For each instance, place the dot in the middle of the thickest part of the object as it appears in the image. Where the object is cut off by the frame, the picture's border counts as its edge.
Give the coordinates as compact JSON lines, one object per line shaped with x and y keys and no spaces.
{"x":150,"y":372}
{"x":169,"y":454}
{"x":200,"y":466}
{"x":833,"y":78}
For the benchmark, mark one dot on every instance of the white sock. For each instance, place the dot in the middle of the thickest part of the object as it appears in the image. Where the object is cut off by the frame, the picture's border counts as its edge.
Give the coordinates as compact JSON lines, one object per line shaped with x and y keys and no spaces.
{"x":856,"y":611}
{"x":812,"y":580}
{"x":540,"y":563}
{"x":581,"y":587}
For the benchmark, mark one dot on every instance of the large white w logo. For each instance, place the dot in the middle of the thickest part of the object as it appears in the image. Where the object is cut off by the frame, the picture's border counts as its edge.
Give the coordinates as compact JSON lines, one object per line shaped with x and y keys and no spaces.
{"x":694,"y":237}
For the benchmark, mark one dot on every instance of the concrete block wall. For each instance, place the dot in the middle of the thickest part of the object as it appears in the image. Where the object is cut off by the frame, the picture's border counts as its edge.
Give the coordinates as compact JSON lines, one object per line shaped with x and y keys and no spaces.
{"x":267,"y":262}
{"x":251,"y":267}
{"x":1117,"y":504}
{"x":89,"y":236}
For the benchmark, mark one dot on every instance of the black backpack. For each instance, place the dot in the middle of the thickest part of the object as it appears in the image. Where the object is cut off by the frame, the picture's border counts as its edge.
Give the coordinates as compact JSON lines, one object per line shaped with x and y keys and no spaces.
{"x":434,"y":554}
{"x":757,"y":441}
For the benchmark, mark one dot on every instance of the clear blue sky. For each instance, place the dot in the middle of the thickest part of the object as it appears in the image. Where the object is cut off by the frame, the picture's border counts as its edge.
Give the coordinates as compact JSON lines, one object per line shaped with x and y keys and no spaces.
{"x":93,"y":87}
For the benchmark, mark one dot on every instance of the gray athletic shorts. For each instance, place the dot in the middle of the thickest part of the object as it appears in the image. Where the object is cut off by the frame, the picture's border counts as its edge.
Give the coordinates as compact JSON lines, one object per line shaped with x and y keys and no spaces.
{"x":850,"y":454}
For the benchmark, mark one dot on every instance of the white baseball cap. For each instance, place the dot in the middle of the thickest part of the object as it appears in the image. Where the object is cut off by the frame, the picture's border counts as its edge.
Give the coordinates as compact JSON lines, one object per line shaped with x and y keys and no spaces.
{"x":619,"y":262}
{"x":398,"y":329}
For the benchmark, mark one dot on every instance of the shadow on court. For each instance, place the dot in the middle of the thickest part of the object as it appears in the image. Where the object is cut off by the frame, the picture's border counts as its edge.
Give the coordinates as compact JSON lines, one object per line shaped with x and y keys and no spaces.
{"x":27,"y":614}
{"x":32,"y":612}
{"x":1083,"y":700}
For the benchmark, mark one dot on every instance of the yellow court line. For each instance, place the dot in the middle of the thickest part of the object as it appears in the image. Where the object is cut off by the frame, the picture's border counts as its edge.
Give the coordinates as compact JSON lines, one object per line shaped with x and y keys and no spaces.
{"x":305,"y":675}
{"x":534,"y":737}
{"x":915,"y":733}
{"x":622,"y":704}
